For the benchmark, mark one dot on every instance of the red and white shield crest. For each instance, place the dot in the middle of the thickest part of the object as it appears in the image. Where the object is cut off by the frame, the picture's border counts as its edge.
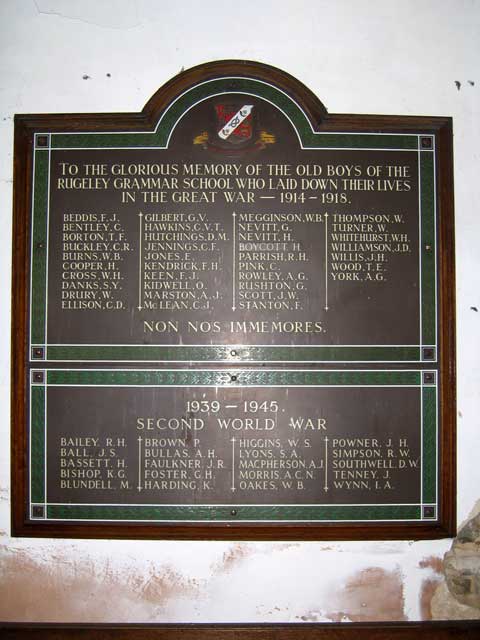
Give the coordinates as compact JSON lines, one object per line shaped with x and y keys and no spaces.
{"x":234,"y":123}
{"x":233,"y":128}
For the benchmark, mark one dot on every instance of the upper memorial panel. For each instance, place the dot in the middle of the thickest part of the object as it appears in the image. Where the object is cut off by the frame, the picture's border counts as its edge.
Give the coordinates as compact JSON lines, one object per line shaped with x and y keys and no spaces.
{"x":237,"y":230}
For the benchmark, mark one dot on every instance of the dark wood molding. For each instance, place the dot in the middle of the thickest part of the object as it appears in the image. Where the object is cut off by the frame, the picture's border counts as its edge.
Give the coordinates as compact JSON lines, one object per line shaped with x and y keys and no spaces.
{"x":446,"y":326}
{"x":448,"y":630}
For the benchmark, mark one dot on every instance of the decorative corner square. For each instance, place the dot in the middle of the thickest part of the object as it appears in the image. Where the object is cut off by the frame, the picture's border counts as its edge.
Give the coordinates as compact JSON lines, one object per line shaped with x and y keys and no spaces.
{"x":429,"y":512}
{"x":38,"y":377}
{"x":38,"y":511}
{"x":426,"y":142}
{"x":429,"y":377}
{"x":41,"y":141}
{"x":38,"y":353}
{"x":429,"y":353}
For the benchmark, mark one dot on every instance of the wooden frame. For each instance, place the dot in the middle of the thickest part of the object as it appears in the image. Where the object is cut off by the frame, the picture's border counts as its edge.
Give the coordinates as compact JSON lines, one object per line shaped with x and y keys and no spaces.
{"x":27,"y":127}
{"x":466,"y":629}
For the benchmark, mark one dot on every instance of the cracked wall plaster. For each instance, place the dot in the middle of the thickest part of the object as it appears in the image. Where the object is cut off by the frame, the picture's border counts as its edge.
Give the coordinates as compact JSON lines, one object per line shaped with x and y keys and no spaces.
{"x":91,"y":12}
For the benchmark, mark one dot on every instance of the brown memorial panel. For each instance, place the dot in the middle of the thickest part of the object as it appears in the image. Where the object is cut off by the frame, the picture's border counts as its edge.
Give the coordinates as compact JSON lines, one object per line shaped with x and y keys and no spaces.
{"x":234,"y":223}
{"x":217,"y":446}
{"x":235,"y":227}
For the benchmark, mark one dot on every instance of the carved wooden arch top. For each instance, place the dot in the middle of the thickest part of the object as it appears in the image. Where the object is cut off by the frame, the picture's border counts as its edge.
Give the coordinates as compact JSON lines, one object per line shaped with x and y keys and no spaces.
{"x":224,"y":69}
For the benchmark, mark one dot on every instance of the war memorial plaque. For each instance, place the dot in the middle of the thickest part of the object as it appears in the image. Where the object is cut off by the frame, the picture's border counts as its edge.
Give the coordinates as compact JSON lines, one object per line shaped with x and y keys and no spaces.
{"x":233,"y":317}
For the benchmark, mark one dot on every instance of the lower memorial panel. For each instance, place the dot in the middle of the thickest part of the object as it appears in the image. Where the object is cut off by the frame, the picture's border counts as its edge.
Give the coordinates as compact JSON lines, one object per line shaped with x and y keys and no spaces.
{"x":238,"y":446}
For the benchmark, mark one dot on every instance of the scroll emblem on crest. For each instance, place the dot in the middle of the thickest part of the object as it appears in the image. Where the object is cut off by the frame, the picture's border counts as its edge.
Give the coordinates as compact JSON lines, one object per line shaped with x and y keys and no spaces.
{"x":235,"y":130}
{"x":239,"y":125}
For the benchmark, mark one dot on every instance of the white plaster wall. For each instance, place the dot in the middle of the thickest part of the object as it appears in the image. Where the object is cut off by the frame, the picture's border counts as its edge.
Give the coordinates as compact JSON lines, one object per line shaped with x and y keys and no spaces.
{"x":358,"y":56}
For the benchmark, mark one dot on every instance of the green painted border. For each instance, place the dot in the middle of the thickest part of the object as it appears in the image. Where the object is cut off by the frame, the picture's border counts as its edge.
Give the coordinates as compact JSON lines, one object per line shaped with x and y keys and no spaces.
{"x":248,"y":353}
{"x":427,"y":187}
{"x":212,"y":513}
{"x":215,"y":513}
{"x":37,"y":444}
{"x":39,"y":246}
{"x":207,"y":353}
{"x":192,"y":378}
{"x":429,"y":453}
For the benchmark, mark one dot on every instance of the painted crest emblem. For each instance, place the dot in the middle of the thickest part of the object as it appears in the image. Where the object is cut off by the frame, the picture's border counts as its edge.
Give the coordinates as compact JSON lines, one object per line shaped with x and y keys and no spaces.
{"x":235,"y":124}
{"x":234,"y":129}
